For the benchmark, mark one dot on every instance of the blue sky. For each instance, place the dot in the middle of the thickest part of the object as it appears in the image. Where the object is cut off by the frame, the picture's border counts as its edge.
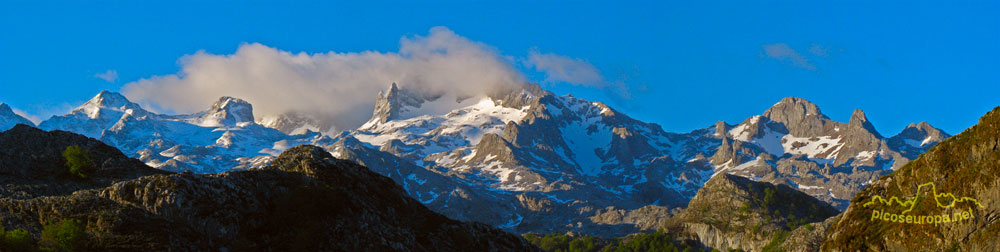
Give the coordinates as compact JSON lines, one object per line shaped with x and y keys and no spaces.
{"x":685,"y":65}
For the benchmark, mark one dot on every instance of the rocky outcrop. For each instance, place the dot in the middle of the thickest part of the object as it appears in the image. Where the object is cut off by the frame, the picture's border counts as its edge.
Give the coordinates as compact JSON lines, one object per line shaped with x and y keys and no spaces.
{"x":959,"y":174}
{"x":305,"y":201}
{"x":733,"y":212}
{"x":809,"y":237}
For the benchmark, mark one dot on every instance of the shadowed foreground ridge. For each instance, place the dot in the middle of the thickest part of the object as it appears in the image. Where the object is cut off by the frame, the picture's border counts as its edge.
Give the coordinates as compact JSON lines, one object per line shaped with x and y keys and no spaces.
{"x":965,"y":165}
{"x":31,"y":163}
{"x":305,"y":201}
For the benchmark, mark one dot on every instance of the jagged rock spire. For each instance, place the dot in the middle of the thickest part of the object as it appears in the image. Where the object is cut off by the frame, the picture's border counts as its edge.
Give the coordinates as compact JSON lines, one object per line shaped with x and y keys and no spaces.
{"x":860,"y":121}
{"x":389,"y":105}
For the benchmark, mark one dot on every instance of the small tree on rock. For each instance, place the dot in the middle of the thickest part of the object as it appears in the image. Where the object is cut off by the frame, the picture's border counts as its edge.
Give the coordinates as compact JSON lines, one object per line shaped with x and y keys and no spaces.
{"x":78,"y":161}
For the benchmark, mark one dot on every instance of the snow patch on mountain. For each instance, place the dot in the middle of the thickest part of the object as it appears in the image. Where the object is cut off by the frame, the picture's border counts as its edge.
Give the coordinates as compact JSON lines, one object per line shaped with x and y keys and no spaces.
{"x":823,"y":147}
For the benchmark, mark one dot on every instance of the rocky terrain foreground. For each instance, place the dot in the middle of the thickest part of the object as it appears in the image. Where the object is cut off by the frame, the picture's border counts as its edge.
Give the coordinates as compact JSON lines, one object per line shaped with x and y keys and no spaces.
{"x":306,"y":200}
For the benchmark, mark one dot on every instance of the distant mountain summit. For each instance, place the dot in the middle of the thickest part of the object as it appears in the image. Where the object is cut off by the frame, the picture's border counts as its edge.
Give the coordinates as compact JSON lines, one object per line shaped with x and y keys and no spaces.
{"x":794,"y":143}
{"x":220,"y":138}
{"x":8,"y":118}
{"x":916,"y":139}
{"x":227,"y":111}
{"x":97,"y":114}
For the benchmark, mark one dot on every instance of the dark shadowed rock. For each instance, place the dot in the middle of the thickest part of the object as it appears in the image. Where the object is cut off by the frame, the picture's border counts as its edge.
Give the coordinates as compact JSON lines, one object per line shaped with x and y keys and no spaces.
{"x":32,"y":165}
{"x":305,"y":201}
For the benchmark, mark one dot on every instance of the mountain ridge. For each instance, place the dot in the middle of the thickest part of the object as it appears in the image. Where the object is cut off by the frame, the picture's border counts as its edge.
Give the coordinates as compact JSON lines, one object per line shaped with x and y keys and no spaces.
{"x":521,"y":148}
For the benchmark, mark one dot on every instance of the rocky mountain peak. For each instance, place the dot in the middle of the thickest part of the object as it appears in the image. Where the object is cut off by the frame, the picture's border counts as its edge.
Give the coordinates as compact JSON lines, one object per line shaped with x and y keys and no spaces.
{"x":721,"y":127}
{"x":228,"y":111}
{"x":108,"y":99}
{"x":790,"y":108}
{"x":916,"y":138}
{"x":860,"y":121}
{"x":390,"y":104}
{"x":928,"y":134}
{"x":799,"y":116}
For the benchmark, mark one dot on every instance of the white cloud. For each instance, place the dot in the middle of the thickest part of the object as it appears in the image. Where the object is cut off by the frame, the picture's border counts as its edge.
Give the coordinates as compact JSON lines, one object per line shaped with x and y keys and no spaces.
{"x":558,"y":68}
{"x":783,"y":52}
{"x":338,"y":87}
{"x":109,"y":76}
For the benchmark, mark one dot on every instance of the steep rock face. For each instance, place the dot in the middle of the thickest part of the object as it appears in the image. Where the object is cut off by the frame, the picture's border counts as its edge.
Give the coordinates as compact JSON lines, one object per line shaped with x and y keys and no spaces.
{"x":32,"y":165}
{"x":305,"y":201}
{"x":8,"y":118}
{"x":732,"y":212}
{"x":959,"y":174}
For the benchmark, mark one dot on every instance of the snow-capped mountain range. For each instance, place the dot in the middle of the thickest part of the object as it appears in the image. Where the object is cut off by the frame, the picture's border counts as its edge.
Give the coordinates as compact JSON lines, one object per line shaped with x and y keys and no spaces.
{"x":522,"y":159}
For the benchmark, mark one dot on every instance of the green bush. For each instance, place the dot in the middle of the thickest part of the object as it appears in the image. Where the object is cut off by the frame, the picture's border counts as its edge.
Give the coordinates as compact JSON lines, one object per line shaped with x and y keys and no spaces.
{"x":66,"y":235}
{"x":769,"y":197}
{"x":16,"y":240}
{"x":78,"y":160}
